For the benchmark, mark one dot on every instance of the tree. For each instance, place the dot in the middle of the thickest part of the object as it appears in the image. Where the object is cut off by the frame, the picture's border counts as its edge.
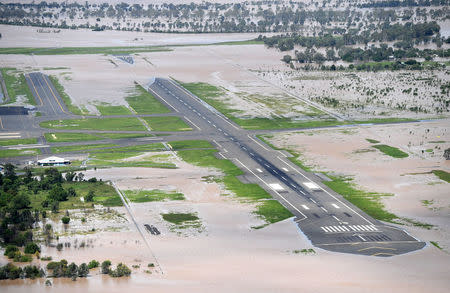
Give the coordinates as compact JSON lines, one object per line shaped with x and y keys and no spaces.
{"x":120,"y":271}
{"x":287,"y":58}
{"x":70,"y":176}
{"x":106,"y":266}
{"x":71,"y":192}
{"x":57,"y":193}
{"x":447,"y":154}
{"x":72,"y":271}
{"x":90,"y":196}
{"x":32,"y":248}
{"x":65,"y":220}
{"x":83,"y":270}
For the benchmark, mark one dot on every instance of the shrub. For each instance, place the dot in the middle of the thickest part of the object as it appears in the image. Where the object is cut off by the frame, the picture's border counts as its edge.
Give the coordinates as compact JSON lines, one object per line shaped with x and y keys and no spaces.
{"x":90,"y":196}
{"x":11,"y":250}
{"x":106,"y":266}
{"x":83,"y":270}
{"x":93,"y":264}
{"x":32,"y":248}
{"x":120,"y":271}
{"x":65,"y":220}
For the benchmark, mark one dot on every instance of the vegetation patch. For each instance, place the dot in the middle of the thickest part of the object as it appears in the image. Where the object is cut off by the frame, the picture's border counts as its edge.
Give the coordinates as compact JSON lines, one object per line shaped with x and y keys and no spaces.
{"x":270,"y":212}
{"x":168,"y":123}
{"x":372,"y":140}
{"x":83,"y":50}
{"x":191,"y":144}
{"x":443,"y":175}
{"x":391,"y":151}
{"x":6,"y":142}
{"x":65,"y":97}
{"x":81,"y":148}
{"x":435,"y":244}
{"x":144,"y":102}
{"x":113,"y":110}
{"x":111,"y":124}
{"x":180,"y":218}
{"x":16,"y":153}
{"x":369,"y":202}
{"x":16,"y":85}
{"x":152,"y":195}
{"x":78,"y":136}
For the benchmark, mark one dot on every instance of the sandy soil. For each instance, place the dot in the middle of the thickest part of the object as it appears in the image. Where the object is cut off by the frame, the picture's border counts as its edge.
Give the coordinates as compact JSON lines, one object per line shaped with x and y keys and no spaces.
{"x":408,"y":178}
{"x":227,"y":255}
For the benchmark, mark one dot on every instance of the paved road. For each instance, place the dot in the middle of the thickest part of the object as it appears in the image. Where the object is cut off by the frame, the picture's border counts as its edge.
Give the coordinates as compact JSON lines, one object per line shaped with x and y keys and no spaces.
{"x":329,"y":221}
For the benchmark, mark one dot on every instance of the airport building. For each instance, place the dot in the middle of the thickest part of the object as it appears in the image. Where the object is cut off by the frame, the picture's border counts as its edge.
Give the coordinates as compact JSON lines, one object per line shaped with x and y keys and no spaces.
{"x":53,"y":161}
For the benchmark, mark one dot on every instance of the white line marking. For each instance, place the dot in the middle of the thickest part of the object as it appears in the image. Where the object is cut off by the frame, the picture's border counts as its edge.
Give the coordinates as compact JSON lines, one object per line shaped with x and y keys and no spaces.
{"x":225,"y":150}
{"x":324,"y":229}
{"x":345,"y":228}
{"x":217,"y":143}
{"x":313,"y":200}
{"x":176,"y":110}
{"x":335,"y":205}
{"x":352,"y":228}
{"x":324,"y":209}
{"x":284,"y":169}
{"x":326,"y":191}
{"x":336,"y":219}
{"x":362,"y":238}
{"x":305,"y":207}
{"x":222,"y":156}
{"x":305,"y":217}
{"x":331,"y":228}
{"x":192,"y":123}
{"x":261,"y":145}
{"x":259,"y":170}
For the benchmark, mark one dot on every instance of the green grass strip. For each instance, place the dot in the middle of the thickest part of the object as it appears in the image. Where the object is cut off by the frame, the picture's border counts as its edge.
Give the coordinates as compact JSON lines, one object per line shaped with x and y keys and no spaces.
{"x":108,"y":124}
{"x":179,"y":218}
{"x":78,"y":136}
{"x":168,"y":123}
{"x":372,"y":140}
{"x":391,"y":151}
{"x":152,"y":195}
{"x":190,"y":144}
{"x":79,"y":148}
{"x":113,"y":110}
{"x":369,"y":202}
{"x":144,"y":102}
{"x":6,"y":142}
{"x":17,"y":153}
{"x":16,"y":85}
{"x":443,"y":175}
{"x":205,"y":158}
{"x":83,"y":50}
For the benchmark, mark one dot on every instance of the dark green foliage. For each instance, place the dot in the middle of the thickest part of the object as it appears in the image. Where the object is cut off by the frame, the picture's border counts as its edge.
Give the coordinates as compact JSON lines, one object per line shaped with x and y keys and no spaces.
{"x":93,"y":264}
{"x":65,"y":220}
{"x":11,"y":250}
{"x":120,"y":271}
{"x":10,"y":271}
{"x":90,"y":196}
{"x":32,"y":248}
{"x":83,"y":270}
{"x":106,"y":267}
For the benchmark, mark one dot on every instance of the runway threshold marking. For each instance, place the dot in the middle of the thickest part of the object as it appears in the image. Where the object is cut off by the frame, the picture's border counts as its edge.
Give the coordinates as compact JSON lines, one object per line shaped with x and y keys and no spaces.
{"x":294,"y":207}
{"x":53,"y":94}
{"x":35,"y":90}
{"x":295,"y":169}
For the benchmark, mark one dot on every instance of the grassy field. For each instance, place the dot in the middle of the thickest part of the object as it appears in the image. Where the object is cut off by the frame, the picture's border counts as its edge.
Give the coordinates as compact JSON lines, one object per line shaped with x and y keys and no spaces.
{"x":65,"y":97}
{"x":152,"y":195}
{"x":168,"y":123}
{"x":107,"y":110}
{"x":16,"y":85}
{"x":78,"y":136}
{"x":190,"y":144}
{"x":144,"y":102}
{"x":372,"y":140}
{"x":369,"y":202}
{"x":83,"y":50}
{"x":80,"y":148}
{"x":108,"y":124}
{"x":179,"y":218}
{"x":104,"y":194}
{"x":270,"y":212}
{"x":391,"y":151}
{"x":443,"y":175}
{"x":5,"y":142}
{"x":17,"y":153}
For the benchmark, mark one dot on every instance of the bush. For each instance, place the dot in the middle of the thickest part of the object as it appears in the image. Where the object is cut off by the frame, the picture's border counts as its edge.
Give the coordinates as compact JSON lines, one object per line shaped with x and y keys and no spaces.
{"x":11,"y":250}
{"x":90,"y":196}
{"x":65,"y":220}
{"x":105,"y":266}
{"x":93,"y":264}
{"x":32,"y":248}
{"x":120,"y":271}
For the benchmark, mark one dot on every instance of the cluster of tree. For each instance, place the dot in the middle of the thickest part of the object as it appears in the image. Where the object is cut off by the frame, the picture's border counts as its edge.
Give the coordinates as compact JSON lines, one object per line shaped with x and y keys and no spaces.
{"x":378,"y":66}
{"x":10,"y":271}
{"x":63,"y":269}
{"x":257,"y":16}
{"x":120,"y":271}
{"x":407,"y":34}
{"x":16,"y":215}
